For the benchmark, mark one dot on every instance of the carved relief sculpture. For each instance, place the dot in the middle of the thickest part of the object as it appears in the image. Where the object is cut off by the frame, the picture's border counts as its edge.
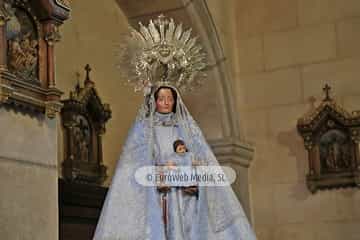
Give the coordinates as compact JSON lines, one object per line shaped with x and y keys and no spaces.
{"x":331,"y":137}
{"x":28,"y":31}
{"x":22,"y":38}
{"x":83,"y":118}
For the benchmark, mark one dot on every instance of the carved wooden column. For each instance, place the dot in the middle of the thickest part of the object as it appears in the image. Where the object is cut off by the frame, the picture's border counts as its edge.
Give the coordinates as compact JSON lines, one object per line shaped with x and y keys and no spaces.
{"x":52,"y":36}
{"x":355,"y":135}
{"x":101,"y":131}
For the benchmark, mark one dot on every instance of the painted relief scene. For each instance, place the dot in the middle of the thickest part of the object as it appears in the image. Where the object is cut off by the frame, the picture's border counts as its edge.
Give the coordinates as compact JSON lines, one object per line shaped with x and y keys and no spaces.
{"x":22,"y":38}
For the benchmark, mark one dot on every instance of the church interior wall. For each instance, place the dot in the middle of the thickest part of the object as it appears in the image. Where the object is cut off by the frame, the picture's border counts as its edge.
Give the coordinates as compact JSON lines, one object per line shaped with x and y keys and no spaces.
{"x":286,"y":51}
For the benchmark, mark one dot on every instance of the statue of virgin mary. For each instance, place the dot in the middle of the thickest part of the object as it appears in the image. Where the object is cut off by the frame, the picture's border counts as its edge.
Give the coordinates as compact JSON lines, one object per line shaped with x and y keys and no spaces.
{"x":165,"y":61}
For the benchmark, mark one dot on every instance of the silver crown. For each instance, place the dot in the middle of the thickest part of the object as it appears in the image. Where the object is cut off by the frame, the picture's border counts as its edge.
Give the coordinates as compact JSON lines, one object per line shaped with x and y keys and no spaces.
{"x":162,"y":53}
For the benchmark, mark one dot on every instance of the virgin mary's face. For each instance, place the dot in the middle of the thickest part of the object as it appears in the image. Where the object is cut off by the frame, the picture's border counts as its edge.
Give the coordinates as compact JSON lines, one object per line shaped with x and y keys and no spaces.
{"x":164,"y":101}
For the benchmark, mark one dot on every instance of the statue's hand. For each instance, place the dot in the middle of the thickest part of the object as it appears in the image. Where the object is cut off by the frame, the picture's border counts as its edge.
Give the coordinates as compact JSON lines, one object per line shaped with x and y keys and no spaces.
{"x":163,"y":188}
{"x":196,"y":163}
{"x":170,"y":164}
{"x":191,"y":190}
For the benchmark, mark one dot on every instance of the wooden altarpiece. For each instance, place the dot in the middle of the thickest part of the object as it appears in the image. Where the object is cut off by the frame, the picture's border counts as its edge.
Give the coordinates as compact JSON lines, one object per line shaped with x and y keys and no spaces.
{"x":331,"y":137}
{"x":84,"y":117}
{"x":28,"y":31}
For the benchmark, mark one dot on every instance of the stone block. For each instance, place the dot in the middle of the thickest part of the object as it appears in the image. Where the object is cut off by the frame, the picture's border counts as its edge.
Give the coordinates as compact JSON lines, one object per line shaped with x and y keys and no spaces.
{"x":271,"y":88}
{"x":321,"y":207}
{"x":301,"y":46}
{"x":255,"y":124}
{"x":288,"y":163}
{"x":276,"y":164}
{"x":347,"y":204}
{"x":260,"y":168}
{"x":29,"y":139}
{"x":136,"y":8}
{"x":290,"y":203}
{"x":294,"y":232}
{"x":263,"y":202}
{"x":351,"y":103}
{"x":341,"y":75}
{"x":316,"y":11}
{"x":284,"y":118}
{"x":257,"y":16}
{"x":348,"y":36}
{"x":356,"y":199}
{"x":29,"y":201}
{"x":251,"y":55}
{"x":264,"y":232}
{"x":338,"y":230}
{"x":325,"y":11}
{"x":261,"y":171}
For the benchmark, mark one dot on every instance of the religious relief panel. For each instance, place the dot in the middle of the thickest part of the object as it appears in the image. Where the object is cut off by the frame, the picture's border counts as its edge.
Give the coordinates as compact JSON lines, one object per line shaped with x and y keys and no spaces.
{"x":331,"y":137}
{"x":22,"y":38}
{"x":29,"y":30}
{"x":83,"y":118}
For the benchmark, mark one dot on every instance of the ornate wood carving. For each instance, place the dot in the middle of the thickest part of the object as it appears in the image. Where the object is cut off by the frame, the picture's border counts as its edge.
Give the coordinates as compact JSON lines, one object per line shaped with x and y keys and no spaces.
{"x":83,"y":118}
{"x":331,"y":137}
{"x":28,"y":31}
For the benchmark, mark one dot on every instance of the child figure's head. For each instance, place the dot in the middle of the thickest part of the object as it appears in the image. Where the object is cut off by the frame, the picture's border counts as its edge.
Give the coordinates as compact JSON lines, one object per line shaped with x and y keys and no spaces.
{"x":179,"y":146}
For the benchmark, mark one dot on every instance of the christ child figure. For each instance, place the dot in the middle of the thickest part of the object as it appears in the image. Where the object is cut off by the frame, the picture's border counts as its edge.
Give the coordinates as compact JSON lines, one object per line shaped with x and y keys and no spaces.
{"x":182,"y":157}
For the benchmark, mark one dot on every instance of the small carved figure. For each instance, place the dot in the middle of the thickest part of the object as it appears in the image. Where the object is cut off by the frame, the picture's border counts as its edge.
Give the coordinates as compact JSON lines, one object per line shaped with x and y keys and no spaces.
{"x":29,"y":47}
{"x":334,"y":156}
{"x":334,"y":150}
{"x":13,"y":26}
{"x":16,"y":54}
{"x":22,"y":40}
{"x":23,"y":55}
{"x":82,"y":141}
